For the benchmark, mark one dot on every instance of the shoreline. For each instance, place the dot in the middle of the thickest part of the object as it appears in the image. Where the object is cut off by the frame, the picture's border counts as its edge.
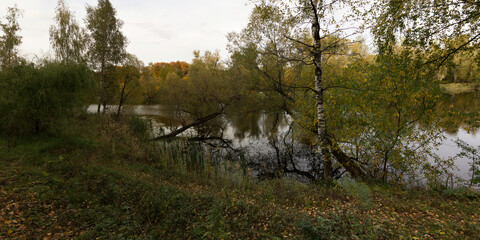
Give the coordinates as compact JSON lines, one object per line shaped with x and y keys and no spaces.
{"x":454,"y":88}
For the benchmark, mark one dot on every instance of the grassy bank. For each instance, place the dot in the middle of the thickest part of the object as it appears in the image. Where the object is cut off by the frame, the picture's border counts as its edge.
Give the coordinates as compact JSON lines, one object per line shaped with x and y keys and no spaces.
{"x":100,"y":178}
{"x":460,"y":87}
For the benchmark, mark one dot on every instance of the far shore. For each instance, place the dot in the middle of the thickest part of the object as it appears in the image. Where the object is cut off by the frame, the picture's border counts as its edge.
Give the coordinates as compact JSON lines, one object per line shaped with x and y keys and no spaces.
{"x":460,"y":87}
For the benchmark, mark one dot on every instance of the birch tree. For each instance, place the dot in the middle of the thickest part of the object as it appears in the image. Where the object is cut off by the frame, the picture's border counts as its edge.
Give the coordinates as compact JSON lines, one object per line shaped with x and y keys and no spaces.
{"x":296,"y":33}
{"x":10,"y":40}
{"x":108,"y":44}
{"x":67,"y":38}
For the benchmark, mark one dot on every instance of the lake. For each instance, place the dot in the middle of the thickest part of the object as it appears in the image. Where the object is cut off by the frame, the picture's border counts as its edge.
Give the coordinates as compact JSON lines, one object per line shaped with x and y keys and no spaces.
{"x":251,"y":133}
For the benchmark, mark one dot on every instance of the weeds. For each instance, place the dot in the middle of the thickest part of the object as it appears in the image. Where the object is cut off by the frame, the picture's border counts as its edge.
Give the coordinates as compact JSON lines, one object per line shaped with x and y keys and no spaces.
{"x":102,"y":178}
{"x":359,"y":191}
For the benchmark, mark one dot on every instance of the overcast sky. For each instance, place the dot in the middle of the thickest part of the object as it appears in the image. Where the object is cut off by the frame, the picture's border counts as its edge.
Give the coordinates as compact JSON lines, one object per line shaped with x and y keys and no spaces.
{"x":158,"y":30}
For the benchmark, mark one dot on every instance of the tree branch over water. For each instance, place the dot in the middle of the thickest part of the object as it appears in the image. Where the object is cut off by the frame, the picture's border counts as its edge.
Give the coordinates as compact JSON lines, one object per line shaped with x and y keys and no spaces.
{"x":184,"y":128}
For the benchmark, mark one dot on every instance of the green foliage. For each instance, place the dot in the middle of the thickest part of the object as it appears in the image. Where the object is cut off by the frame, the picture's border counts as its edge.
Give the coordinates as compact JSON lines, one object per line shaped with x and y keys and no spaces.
{"x":140,"y":126}
{"x":107,"y":46}
{"x":122,"y":83}
{"x":185,"y":157}
{"x":111,"y":84}
{"x":208,"y":90}
{"x":359,"y":191}
{"x":461,"y":193}
{"x":341,"y":225}
{"x":164,"y":206}
{"x":68,"y":143}
{"x":36,"y":97}
{"x":67,"y":38}
{"x":323,"y":229}
{"x":374,"y":106}
{"x":395,"y":95}
{"x":128,"y":77}
{"x":76,"y":185}
{"x":10,"y":41}
{"x":443,"y":28}
{"x":476,"y":178}
{"x":473,"y":154}
{"x":108,"y":43}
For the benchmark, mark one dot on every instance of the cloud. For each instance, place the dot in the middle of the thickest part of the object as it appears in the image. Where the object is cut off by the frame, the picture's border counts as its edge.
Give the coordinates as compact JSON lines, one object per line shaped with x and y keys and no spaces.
{"x":152,"y":30}
{"x":158,"y":30}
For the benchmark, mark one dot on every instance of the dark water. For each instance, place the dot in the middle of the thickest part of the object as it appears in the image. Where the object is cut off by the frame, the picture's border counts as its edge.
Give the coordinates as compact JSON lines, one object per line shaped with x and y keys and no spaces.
{"x":251,"y":132}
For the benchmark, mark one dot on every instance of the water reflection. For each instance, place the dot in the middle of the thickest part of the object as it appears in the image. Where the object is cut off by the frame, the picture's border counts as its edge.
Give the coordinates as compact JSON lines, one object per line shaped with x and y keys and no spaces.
{"x":252,"y":130}
{"x":459,"y":121}
{"x":257,"y":124}
{"x":457,"y":111}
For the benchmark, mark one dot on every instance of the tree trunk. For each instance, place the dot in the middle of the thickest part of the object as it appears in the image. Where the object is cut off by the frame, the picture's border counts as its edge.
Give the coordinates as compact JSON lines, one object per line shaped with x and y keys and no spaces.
{"x":454,"y":75}
{"x":99,"y":105}
{"x":122,"y":99}
{"x":104,"y":107}
{"x":102,"y":89}
{"x":327,"y":146}
{"x":188,"y":126}
{"x":323,"y":139}
{"x":347,"y":162}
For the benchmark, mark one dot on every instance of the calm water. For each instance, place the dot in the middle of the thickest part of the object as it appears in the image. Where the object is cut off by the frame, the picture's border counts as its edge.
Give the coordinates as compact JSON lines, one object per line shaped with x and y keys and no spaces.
{"x":251,"y":132}
{"x":466,"y":103}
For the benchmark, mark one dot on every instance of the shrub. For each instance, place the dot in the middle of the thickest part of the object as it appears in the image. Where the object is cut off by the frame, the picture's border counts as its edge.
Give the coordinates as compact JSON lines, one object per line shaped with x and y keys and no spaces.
{"x":140,"y":126}
{"x":34,"y":98}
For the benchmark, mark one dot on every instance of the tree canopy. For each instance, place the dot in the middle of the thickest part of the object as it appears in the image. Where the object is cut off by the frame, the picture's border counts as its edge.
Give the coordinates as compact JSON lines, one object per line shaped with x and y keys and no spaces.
{"x":67,"y":38}
{"x":10,"y":40}
{"x":108,"y":44}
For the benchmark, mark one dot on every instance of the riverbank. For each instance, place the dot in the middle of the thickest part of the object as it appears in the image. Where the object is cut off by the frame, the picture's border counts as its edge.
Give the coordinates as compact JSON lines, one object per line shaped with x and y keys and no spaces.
{"x":100,"y":178}
{"x":455,"y":88}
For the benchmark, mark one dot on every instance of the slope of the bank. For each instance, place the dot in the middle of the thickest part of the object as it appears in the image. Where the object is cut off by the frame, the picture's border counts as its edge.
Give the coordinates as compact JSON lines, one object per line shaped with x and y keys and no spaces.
{"x":101,"y":178}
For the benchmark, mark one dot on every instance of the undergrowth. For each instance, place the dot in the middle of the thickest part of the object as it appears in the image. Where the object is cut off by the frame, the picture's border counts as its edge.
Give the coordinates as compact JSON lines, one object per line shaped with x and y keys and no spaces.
{"x":102,"y":178}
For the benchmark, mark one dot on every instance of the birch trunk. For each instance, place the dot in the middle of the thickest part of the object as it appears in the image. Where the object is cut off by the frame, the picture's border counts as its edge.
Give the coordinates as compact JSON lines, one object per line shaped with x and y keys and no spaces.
{"x":317,"y":59}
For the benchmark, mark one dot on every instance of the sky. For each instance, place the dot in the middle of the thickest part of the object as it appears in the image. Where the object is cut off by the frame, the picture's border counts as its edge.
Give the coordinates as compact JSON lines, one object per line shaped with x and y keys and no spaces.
{"x":157,"y":30}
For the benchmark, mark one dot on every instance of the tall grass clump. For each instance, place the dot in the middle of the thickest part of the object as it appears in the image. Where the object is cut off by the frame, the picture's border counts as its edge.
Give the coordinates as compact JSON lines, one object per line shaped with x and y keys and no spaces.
{"x":182,"y":155}
{"x":358,"y":190}
{"x":140,"y":126}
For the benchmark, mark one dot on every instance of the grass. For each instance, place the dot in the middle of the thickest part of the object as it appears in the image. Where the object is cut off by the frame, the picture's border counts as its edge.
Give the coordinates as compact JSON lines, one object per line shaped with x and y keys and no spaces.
{"x":100,"y":178}
{"x":460,"y":87}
